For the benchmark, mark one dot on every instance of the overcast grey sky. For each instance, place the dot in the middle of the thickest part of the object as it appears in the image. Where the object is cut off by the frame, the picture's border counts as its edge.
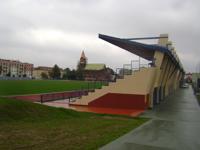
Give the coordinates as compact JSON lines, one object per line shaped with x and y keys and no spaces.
{"x":48,"y":32}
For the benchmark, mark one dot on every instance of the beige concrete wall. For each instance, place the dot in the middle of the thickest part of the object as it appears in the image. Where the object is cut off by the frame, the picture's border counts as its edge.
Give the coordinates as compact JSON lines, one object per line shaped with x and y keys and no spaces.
{"x":140,"y":82}
{"x":163,"y":41}
{"x":163,"y":70}
{"x":172,"y":80}
{"x":175,"y":80}
{"x":159,"y":59}
{"x":166,"y":72}
{"x":166,"y":82}
{"x":158,"y":75}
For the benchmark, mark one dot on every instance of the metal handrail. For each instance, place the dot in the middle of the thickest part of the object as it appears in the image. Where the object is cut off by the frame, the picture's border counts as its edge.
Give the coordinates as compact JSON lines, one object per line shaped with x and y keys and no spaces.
{"x":123,"y":71}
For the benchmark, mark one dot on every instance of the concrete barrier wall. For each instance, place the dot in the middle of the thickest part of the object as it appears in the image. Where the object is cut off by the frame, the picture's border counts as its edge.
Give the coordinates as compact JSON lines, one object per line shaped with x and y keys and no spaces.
{"x":121,"y":101}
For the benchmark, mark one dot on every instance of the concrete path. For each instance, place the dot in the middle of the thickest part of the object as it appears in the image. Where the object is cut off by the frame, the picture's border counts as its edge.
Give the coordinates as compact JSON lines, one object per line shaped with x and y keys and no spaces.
{"x":175,"y":125}
{"x":65,"y":104}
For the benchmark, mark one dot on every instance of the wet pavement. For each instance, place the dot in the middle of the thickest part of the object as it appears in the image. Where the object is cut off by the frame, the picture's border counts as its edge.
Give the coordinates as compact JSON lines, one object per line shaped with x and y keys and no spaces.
{"x":175,"y":125}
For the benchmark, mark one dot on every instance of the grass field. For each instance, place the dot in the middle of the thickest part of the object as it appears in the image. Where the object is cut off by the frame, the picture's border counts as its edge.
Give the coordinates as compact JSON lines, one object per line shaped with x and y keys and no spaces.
{"x":17,"y":87}
{"x":25,"y":125}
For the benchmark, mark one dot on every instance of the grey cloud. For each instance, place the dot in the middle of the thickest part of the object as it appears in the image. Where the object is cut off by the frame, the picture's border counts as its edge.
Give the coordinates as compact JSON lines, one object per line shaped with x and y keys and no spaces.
{"x":83,"y":20}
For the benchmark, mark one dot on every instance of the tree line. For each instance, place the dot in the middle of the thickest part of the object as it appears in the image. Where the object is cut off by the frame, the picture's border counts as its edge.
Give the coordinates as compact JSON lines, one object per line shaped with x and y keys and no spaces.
{"x":66,"y":74}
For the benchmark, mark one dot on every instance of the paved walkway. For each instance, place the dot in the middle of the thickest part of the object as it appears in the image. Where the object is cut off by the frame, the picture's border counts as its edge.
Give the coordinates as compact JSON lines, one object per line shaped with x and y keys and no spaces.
{"x":175,"y":125}
{"x":65,"y":104}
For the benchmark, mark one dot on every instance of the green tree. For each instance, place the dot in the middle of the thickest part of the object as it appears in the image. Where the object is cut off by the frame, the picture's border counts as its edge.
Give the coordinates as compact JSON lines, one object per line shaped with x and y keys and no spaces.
{"x":79,"y":75}
{"x":55,"y":72}
{"x":81,"y":66}
{"x":66,"y":73}
{"x":72,"y":75}
{"x":44,"y":75}
{"x":80,"y":70}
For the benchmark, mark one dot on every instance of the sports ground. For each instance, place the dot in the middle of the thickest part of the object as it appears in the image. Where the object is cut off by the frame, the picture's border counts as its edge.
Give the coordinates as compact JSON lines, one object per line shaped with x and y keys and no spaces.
{"x":27,"y":125}
{"x":21,"y":87}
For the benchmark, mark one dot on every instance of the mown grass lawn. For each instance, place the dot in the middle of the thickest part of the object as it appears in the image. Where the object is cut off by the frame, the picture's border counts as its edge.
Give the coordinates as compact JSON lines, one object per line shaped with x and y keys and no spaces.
{"x":17,"y":87}
{"x":25,"y":125}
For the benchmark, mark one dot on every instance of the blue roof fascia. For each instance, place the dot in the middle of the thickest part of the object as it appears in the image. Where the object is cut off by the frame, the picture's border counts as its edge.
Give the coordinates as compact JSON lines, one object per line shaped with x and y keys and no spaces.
{"x":125,"y":41}
{"x":167,"y":51}
{"x":164,"y":50}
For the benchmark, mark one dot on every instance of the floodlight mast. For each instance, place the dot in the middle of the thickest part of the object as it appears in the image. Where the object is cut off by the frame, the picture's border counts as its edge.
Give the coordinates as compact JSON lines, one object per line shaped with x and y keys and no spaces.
{"x":146,"y":38}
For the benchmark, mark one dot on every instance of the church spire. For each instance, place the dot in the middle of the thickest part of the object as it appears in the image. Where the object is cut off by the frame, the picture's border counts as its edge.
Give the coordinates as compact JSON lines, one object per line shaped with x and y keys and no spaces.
{"x":83,"y":55}
{"x":83,"y":61}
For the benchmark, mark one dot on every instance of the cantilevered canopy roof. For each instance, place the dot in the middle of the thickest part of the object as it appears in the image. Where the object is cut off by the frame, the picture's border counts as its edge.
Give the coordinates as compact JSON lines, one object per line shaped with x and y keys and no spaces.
{"x":145,"y":51}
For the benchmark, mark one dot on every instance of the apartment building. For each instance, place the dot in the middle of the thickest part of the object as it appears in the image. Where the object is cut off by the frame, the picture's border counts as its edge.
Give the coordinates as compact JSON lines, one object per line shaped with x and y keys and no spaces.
{"x":15,"y":68}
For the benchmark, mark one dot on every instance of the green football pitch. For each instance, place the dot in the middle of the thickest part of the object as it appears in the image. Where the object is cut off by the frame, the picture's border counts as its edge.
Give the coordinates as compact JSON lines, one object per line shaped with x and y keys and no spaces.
{"x":17,"y":87}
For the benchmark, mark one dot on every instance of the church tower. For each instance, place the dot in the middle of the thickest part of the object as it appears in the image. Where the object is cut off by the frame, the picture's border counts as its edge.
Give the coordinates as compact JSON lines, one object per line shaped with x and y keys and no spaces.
{"x":83,"y":61}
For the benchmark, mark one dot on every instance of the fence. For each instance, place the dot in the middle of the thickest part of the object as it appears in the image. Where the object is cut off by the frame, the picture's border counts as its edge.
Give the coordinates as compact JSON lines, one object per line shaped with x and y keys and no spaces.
{"x":63,"y":95}
{"x":72,"y":94}
{"x":129,"y":68}
{"x":15,"y":78}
